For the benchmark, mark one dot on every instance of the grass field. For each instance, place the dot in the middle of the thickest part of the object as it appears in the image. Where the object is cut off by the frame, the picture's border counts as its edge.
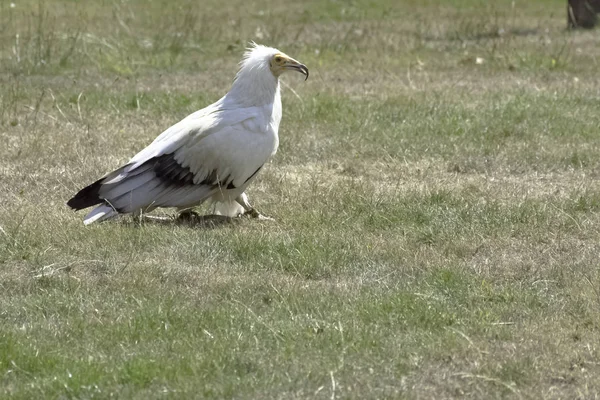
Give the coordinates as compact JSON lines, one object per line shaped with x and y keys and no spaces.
{"x":436,"y":198}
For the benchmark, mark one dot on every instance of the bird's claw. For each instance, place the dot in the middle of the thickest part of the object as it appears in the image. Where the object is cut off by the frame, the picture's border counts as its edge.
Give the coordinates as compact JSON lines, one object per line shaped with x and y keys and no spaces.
{"x":188,"y":216}
{"x":252,"y":213}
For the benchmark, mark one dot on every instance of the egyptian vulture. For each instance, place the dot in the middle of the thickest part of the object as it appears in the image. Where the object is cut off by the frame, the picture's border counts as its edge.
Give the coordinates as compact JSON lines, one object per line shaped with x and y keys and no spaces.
{"x":213,"y":153}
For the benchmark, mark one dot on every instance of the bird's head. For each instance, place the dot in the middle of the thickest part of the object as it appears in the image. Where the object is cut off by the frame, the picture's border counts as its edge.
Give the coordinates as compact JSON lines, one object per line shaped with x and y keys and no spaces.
{"x":280,"y":62}
{"x":259,"y":56}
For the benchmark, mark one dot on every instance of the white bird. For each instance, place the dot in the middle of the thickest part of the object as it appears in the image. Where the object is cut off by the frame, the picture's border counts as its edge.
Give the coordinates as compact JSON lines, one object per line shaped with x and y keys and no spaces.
{"x":213,"y":153}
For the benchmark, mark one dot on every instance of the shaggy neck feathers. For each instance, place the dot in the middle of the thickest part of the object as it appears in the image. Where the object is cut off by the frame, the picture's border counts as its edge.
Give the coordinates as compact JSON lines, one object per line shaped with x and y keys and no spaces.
{"x":255,"y":84}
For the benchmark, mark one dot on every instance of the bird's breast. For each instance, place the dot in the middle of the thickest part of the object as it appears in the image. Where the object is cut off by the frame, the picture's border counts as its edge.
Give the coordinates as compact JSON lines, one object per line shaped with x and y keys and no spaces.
{"x":276,"y":113}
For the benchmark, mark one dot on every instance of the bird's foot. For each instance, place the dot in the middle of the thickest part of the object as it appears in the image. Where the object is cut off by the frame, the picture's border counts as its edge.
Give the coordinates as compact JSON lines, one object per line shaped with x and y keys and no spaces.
{"x":188,"y":216}
{"x":252,"y":213}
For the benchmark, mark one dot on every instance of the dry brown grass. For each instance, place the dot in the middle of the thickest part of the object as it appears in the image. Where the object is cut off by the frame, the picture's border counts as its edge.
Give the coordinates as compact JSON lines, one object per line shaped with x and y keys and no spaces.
{"x":437,"y":218}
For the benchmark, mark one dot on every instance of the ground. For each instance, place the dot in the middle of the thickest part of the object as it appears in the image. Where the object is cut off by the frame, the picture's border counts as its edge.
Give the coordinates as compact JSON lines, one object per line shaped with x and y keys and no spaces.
{"x":435,"y":192}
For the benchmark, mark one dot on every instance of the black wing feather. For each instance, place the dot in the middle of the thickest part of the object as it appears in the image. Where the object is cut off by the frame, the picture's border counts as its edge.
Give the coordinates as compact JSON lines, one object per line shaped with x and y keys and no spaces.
{"x":166,"y":168}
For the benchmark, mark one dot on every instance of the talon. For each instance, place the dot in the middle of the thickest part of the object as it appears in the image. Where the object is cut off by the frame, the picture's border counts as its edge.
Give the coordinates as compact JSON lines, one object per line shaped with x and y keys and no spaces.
{"x":252,"y":213}
{"x":188,"y":215}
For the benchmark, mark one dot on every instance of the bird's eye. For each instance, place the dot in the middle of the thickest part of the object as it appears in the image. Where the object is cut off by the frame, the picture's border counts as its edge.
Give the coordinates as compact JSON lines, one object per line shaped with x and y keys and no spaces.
{"x":278,"y":59}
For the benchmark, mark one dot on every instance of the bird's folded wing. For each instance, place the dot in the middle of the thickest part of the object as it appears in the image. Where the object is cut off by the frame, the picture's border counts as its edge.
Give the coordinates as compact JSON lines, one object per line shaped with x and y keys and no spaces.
{"x":191,"y":160}
{"x":228,"y":127}
{"x":229,"y":157}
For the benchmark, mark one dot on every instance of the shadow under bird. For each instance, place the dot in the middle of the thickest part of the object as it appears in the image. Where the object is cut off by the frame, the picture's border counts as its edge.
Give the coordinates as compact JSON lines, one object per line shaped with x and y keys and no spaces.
{"x":212,"y":154}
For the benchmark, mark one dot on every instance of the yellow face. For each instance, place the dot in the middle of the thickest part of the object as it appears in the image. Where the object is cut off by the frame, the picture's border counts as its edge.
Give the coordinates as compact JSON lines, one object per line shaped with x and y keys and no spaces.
{"x":280,"y":63}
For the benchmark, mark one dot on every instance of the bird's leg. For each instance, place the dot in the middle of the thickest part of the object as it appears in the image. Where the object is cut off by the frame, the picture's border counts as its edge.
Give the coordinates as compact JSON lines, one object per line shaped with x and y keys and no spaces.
{"x":139,"y":218}
{"x":156,"y":218}
{"x":242,"y":200}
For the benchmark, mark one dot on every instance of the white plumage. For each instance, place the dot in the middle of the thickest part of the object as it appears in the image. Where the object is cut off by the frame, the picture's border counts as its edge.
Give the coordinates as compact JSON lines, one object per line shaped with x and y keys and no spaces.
{"x":213,"y":153}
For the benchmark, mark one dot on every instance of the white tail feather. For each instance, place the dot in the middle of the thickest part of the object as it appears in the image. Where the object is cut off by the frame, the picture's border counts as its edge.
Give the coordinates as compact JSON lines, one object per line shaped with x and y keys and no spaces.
{"x":100,"y":213}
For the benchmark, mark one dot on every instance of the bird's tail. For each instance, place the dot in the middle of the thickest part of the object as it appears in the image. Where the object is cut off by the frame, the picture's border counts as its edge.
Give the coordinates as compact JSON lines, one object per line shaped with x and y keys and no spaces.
{"x":100,"y":213}
{"x":87,"y":197}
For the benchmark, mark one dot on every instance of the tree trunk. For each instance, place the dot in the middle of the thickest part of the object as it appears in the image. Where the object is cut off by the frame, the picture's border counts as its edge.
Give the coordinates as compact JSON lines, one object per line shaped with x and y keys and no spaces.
{"x":582,"y":13}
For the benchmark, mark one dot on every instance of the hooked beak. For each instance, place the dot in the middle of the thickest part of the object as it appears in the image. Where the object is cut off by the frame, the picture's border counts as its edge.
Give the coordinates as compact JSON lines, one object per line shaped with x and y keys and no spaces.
{"x":297,"y":66}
